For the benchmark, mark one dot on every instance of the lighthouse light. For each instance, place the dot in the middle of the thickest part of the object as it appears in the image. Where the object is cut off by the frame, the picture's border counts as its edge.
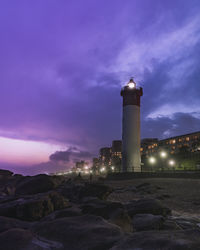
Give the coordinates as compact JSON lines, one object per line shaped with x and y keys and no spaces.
{"x":131,"y":84}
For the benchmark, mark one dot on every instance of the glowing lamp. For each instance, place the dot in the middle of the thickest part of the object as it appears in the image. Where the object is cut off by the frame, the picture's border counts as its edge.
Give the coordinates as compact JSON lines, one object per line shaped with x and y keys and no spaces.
{"x":131,"y":84}
{"x":102,"y":169}
{"x":152,"y":160}
{"x":171,"y":163}
{"x":163,"y":154}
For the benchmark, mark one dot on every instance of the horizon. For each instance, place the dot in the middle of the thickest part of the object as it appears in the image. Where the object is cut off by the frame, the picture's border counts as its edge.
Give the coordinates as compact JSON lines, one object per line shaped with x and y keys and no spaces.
{"x":63,"y":66}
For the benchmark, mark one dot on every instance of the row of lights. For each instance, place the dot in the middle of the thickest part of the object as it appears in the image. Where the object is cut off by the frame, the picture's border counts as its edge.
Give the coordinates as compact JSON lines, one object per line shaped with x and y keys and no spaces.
{"x":163,"y":154}
{"x":103,"y":169}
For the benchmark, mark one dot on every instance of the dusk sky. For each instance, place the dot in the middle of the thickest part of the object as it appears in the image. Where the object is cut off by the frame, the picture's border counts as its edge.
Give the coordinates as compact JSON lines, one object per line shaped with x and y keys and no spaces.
{"x":63,"y":63}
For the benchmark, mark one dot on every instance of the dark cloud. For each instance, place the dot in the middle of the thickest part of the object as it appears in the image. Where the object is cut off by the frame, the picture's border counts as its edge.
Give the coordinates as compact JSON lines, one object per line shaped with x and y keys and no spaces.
{"x":70,"y":155}
{"x":163,"y":127}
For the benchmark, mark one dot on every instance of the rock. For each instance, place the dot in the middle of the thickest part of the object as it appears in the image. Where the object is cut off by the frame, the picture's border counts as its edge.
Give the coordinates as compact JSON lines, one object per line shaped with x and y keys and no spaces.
{"x":114,"y":212}
{"x":147,"y":206}
{"x":5,"y":173}
{"x":143,"y":185}
{"x":67,"y":212}
{"x":38,"y":184}
{"x":9,"y":190}
{"x":162,"y":240}
{"x":100,"y":208}
{"x":186,"y":222}
{"x":121,"y":218}
{"x":33,"y":207}
{"x":9,"y":223}
{"x":17,"y":239}
{"x":20,"y":239}
{"x":144,"y":222}
{"x":95,"y":189}
{"x":80,"y":232}
{"x":71,"y":191}
{"x":132,"y":189}
{"x":78,"y":192}
{"x":163,"y":196}
{"x":170,"y":225}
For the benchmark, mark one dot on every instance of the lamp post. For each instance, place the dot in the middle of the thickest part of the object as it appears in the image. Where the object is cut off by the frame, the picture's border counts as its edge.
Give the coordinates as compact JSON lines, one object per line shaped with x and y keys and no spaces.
{"x":163,"y":155}
{"x":152,"y":161}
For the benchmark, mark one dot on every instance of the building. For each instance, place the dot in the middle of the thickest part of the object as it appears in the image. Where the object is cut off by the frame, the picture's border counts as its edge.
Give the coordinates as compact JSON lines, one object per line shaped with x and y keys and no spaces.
{"x":191,"y":142}
{"x":185,"y":149}
{"x":116,"y":155}
{"x":116,"y":149}
{"x":182,"y":150}
{"x":95,"y":165}
{"x":173,"y":145}
{"x":131,"y":159}
{"x":80,"y":166}
{"x":148,"y":146}
{"x":105,"y":157}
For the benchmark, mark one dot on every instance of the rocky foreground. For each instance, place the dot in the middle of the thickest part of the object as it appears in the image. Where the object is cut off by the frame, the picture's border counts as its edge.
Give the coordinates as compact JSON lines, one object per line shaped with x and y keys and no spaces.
{"x":54,"y":212}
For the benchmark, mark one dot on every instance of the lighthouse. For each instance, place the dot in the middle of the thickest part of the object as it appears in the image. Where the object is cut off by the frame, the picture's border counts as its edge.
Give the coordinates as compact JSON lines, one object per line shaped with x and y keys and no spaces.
{"x":131,"y":160}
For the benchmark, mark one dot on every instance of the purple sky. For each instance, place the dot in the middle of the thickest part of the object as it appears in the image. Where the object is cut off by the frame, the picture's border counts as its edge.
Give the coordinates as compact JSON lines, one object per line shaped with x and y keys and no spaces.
{"x":62,"y":64}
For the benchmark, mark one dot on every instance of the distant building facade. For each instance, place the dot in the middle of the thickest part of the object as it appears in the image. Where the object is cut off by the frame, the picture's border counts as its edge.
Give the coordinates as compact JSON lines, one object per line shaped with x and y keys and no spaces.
{"x":105,"y":157}
{"x":173,"y":145}
{"x":185,"y":146}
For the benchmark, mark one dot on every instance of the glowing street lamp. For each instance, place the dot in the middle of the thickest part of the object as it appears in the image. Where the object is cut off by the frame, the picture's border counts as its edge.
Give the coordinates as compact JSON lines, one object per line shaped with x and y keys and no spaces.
{"x":171,"y":162}
{"x":163,"y":154}
{"x":113,"y":168}
{"x":152,"y":160}
{"x":102,"y":170}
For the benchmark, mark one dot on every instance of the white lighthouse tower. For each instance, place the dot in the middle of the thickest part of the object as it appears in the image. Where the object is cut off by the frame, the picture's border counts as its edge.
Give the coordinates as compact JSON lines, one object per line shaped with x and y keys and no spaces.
{"x":131,"y":160}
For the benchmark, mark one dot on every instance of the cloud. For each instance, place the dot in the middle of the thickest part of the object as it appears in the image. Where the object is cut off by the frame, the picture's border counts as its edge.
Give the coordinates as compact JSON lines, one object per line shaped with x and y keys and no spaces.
{"x":70,"y":155}
{"x":165,"y":126}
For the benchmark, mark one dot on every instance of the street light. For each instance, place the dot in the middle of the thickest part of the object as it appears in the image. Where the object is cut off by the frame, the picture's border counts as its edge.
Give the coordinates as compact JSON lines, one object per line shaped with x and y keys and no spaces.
{"x":171,"y":162}
{"x":163,"y":154}
{"x":102,"y":169}
{"x":152,"y":160}
{"x":113,"y":168}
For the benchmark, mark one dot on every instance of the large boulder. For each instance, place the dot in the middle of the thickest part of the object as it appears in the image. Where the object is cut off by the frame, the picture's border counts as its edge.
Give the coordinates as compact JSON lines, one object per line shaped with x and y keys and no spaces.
{"x":77,"y":192}
{"x":147,"y":206}
{"x":162,"y":240}
{"x":114,"y":212}
{"x":121,"y":218}
{"x":5,"y":173}
{"x":98,"y":190}
{"x":7,"y":223}
{"x":144,"y":222}
{"x":67,"y":212}
{"x":80,"y":232}
{"x":38,"y":184}
{"x":20,"y":239}
{"x":33,"y":207}
{"x":100,"y":208}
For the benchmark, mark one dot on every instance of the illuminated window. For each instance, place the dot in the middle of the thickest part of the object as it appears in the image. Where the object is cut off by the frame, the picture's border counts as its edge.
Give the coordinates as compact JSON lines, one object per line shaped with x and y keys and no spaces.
{"x":187,"y":138}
